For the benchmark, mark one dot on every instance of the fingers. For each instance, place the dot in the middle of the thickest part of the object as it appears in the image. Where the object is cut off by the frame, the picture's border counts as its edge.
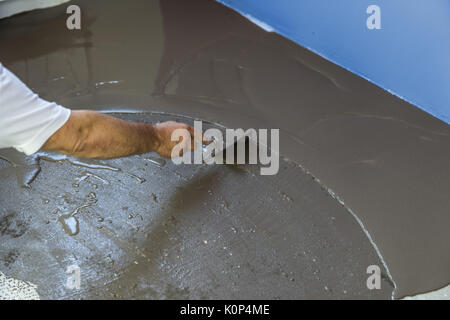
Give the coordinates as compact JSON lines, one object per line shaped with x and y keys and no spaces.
{"x":205,"y":140}
{"x":196,"y":138}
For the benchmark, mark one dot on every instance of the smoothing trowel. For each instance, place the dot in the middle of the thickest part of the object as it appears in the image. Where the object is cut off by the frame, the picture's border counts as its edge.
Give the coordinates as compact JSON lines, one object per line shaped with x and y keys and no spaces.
{"x":218,"y":149}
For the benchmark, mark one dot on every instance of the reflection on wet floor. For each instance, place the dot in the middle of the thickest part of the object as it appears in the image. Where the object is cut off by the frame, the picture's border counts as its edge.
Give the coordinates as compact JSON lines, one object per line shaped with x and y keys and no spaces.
{"x":186,"y":232}
{"x":380,"y":156}
{"x":28,"y":168}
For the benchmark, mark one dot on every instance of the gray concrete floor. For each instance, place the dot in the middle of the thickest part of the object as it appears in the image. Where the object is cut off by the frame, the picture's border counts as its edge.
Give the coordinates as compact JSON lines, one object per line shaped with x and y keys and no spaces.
{"x":161,"y":231}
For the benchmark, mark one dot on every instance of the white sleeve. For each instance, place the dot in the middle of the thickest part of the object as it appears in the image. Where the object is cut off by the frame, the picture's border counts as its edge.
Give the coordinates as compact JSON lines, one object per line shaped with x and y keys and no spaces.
{"x":26,"y":121}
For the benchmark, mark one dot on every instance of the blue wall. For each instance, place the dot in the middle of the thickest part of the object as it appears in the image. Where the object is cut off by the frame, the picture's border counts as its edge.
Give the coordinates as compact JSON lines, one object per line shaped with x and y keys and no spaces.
{"x":409,"y":56}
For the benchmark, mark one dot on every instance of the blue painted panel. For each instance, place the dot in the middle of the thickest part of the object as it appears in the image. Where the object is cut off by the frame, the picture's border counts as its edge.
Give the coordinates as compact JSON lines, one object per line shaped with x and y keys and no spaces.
{"x":409,"y":56}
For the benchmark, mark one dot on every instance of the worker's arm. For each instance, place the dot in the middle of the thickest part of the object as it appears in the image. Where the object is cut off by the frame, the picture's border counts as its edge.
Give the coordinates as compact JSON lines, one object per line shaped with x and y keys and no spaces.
{"x":89,"y":134}
{"x":29,"y":123}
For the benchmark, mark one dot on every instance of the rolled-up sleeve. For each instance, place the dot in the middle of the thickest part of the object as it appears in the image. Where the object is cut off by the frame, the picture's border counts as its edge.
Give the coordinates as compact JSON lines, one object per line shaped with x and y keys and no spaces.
{"x":26,"y":121}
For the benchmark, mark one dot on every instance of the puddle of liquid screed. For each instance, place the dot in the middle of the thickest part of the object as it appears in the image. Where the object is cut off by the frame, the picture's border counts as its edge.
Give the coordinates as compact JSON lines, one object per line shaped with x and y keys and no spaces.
{"x":28,"y":168}
{"x":70,"y":224}
{"x":187,"y":191}
{"x":361,"y":142}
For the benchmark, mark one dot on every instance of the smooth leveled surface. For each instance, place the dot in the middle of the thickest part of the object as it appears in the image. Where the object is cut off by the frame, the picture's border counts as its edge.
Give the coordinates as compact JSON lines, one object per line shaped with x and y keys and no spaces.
{"x":383,"y":158}
{"x":408,"y":55}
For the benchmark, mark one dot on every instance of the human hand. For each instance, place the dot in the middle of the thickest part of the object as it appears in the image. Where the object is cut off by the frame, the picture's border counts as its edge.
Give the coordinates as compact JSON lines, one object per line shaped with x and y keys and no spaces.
{"x":188,"y":139}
